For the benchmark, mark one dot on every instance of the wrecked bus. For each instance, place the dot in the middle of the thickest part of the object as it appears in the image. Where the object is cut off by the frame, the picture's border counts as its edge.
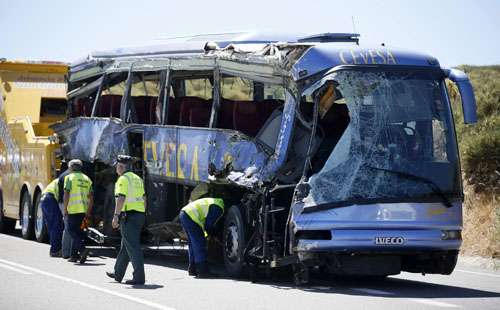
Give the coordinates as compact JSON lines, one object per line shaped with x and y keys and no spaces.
{"x":329,"y":155}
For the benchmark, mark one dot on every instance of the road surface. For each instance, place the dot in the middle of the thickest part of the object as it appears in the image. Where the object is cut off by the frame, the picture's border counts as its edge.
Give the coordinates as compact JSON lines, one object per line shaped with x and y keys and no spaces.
{"x":30,"y":279}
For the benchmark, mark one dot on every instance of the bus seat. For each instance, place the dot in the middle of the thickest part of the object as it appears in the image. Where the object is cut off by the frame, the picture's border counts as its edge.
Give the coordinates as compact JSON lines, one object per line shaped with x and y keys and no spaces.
{"x":109,"y":106}
{"x":174,"y":108}
{"x":141,"y":105}
{"x":225,"y":117}
{"x":246,"y":117}
{"x":82,"y":107}
{"x":199,"y":116}
{"x":187,"y":103}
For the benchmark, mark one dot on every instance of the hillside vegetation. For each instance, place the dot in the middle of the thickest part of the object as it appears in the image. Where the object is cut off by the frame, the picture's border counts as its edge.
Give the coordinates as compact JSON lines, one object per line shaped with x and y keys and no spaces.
{"x":480,"y":158}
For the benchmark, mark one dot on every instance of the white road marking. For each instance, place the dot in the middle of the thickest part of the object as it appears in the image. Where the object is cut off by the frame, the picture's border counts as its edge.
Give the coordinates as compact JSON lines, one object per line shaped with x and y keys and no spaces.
{"x":14,"y":269}
{"x":372,"y":291}
{"x":434,"y":303}
{"x":479,"y":273}
{"x":90,"y":286}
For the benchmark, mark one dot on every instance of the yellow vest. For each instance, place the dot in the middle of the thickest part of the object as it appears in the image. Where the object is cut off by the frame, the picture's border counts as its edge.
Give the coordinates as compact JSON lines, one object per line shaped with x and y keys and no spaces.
{"x":131,"y":186}
{"x":198,"y":209}
{"x":52,"y":188}
{"x":79,"y":191}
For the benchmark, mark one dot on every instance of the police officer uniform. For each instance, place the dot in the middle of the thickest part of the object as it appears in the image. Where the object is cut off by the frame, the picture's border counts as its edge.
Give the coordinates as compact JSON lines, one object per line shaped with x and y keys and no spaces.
{"x":131,"y":220}
{"x":198,"y":219}
{"x":66,"y":237}
{"x":52,"y":217}
{"x":79,"y":187}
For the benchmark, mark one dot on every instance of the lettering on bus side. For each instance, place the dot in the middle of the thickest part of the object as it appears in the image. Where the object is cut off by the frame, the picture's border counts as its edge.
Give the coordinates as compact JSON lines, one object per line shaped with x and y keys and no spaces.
{"x":176,"y":154}
{"x":367,"y":57}
{"x":172,"y":161}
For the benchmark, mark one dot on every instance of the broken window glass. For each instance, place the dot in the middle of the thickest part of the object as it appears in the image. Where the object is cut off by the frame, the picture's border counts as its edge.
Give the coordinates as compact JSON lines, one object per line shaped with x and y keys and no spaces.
{"x":399,"y":127}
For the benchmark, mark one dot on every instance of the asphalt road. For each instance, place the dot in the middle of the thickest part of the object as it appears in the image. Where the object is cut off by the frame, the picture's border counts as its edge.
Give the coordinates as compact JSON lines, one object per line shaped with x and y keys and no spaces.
{"x":30,"y":279}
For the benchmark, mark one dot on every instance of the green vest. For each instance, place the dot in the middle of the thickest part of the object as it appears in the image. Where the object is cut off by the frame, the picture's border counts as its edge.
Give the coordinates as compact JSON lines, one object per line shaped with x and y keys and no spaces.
{"x":131,"y":186}
{"x":78,"y":192}
{"x":198,"y":209}
{"x":52,"y":188}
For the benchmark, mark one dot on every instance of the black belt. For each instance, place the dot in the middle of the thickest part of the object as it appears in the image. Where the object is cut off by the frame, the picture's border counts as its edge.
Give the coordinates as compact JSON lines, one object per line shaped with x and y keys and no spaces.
{"x":132,"y":212}
{"x":47,"y":194}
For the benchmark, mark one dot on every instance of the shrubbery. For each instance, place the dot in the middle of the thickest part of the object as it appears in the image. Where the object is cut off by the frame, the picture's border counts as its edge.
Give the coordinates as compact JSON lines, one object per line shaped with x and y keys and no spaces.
{"x":480,"y":144}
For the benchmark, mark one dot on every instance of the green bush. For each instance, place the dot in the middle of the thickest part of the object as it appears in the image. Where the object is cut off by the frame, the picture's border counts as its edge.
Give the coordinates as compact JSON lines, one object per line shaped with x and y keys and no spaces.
{"x":480,"y":144}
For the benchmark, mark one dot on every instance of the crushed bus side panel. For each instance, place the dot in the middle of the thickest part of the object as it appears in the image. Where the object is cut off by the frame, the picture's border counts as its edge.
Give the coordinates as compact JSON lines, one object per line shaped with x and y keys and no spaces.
{"x":92,"y":139}
{"x":193,"y":155}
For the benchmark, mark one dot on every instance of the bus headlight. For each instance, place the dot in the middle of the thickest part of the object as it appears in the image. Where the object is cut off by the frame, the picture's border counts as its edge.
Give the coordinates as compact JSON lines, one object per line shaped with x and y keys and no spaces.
{"x":451,"y":235}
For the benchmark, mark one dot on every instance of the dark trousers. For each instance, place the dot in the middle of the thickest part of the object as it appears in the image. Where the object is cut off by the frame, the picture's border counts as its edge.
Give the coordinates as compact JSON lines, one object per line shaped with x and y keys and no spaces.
{"x":77,"y":234}
{"x":54,"y":220}
{"x":130,"y":250}
{"x":196,"y":239}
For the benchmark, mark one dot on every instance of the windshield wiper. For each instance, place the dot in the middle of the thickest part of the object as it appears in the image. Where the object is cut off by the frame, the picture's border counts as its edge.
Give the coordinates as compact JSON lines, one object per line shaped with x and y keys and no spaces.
{"x":433,"y":186}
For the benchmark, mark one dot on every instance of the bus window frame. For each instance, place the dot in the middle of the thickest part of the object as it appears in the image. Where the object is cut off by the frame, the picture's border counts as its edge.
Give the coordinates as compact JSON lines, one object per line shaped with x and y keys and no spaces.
{"x":128,"y":113}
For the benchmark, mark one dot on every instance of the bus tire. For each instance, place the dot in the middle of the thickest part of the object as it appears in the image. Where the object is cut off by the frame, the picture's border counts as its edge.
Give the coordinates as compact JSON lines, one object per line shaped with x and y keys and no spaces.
{"x":26,"y":217}
{"x":234,"y":241}
{"x":41,"y":234}
{"x":6,"y":225}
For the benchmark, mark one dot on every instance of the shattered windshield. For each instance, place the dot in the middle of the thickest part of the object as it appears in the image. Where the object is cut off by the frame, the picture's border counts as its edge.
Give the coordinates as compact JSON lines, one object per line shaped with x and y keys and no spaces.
{"x":399,"y":143}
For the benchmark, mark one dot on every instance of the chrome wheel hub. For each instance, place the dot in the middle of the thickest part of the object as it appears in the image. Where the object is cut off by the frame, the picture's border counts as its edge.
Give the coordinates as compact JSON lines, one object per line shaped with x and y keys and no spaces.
{"x":26,"y":218}
{"x":39,"y":221}
{"x":232,"y":243}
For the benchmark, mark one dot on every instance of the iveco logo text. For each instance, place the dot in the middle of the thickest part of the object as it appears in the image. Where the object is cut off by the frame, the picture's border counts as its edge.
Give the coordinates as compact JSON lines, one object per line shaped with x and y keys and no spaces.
{"x":389,"y":240}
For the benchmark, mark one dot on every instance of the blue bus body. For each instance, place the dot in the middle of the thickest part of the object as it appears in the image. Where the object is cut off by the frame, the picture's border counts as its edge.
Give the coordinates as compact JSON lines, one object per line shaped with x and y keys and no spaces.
{"x":372,"y":188}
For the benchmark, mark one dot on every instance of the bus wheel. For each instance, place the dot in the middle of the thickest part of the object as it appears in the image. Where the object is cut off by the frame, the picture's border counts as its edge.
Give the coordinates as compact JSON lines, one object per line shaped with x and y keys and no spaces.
{"x":39,"y":224}
{"x":26,"y":217}
{"x":6,"y":225}
{"x":234,"y":242}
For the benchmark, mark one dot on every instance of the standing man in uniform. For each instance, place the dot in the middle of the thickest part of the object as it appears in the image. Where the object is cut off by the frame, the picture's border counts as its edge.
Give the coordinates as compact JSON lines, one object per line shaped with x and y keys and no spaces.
{"x":198,"y":218}
{"x":78,"y":202}
{"x":129,"y":217}
{"x":53,"y":217}
{"x":66,"y":238}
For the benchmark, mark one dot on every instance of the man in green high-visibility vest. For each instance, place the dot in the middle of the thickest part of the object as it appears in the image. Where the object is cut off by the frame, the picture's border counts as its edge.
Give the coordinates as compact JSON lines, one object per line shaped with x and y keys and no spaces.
{"x":78,"y":201}
{"x":199,"y":218}
{"x":52,"y":217}
{"x":129,"y":217}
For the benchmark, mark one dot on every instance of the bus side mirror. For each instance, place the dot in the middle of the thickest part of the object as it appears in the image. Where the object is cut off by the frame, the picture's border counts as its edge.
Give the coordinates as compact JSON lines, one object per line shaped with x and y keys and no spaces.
{"x":466,"y":93}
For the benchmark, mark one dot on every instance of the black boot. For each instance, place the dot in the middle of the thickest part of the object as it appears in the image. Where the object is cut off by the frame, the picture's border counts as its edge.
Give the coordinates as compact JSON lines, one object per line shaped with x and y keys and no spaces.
{"x":192,"y":270}
{"x":202,"y":271}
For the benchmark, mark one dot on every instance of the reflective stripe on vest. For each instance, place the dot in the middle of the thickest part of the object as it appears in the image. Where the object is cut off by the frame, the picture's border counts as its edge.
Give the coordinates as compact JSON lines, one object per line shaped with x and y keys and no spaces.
{"x":78,"y":195}
{"x":135,"y":191}
{"x":198,"y":209}
{"x":52,"y":188}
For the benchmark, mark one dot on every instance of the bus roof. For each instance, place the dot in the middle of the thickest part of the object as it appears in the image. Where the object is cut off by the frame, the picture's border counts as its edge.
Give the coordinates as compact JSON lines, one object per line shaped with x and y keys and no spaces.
{"x":323,"y":51}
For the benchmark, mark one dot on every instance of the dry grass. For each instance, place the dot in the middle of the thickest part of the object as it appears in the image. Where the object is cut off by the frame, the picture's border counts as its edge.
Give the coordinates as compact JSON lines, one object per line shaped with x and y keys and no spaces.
{"x":481,"y":234}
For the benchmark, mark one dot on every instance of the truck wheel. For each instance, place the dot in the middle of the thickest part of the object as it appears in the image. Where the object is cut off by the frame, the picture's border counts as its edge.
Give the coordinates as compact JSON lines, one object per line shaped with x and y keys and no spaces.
{"x":41,"y":234}
{"x":6,"y":225}
{"x":26,"y":217}
{"x":234,"y":242}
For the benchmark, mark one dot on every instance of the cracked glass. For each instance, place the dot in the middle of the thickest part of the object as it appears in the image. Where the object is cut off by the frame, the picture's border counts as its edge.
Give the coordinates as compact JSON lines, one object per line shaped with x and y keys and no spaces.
{"x":399,"y":144}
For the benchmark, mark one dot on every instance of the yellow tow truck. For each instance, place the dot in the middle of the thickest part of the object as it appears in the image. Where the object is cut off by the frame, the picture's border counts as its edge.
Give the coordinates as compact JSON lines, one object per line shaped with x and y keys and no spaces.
{"x":32,"y":97}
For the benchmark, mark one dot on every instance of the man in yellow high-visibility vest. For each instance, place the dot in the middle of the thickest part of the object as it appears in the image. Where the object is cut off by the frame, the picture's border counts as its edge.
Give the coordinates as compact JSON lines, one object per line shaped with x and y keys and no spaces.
{"x":199,"y":218}
{"x":78,"y":201}
{"x":129,"y":217}
{"x":52,"y":217}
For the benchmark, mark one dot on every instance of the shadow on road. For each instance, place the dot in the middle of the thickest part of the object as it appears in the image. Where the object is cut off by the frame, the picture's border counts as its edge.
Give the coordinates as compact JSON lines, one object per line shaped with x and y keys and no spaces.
{"x":282,"y":279}
{"x":146,"y":287}
{"x":390,"y":287}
